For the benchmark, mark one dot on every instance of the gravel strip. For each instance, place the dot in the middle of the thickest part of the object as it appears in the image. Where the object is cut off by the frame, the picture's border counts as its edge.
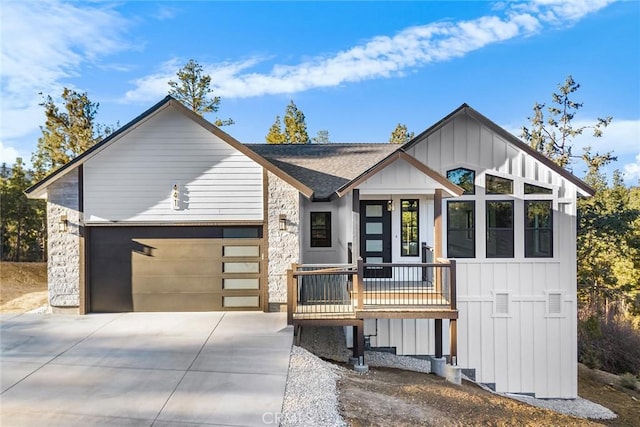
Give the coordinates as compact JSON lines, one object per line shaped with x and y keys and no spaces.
{"x":311,"y":397}
{"x":581,"y":408}
{"x":388,"y":360}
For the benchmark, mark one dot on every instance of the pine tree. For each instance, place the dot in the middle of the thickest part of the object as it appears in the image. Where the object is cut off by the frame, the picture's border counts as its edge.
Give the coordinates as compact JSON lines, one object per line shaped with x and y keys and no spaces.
{"x":321,"y":138}
{"x":68,"y":131}
{"x":275,"y":135}
{"x":22,"y":220}
{"x":295,"y":128}
{"x":553,"y":136}
{"x":400,"y":135}
{"x":193,"y":89}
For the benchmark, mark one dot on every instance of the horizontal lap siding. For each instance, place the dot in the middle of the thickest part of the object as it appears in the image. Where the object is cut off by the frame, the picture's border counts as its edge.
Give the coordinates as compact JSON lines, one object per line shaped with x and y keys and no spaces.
{"x":132,"y":179}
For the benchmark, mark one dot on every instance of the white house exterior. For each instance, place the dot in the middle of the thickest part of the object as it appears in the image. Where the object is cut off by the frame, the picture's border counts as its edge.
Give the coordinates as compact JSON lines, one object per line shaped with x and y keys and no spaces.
{"x":171,"y":213}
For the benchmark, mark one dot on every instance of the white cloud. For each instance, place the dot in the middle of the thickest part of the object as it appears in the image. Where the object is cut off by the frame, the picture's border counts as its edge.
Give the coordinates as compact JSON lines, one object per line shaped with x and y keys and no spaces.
{"x":164,"y":13}
{"x":8,"y":154}
{"x":44,"y":43}
{"x":621,"y":136}
{"x":632,"y":171}
{"x":381,"y":56}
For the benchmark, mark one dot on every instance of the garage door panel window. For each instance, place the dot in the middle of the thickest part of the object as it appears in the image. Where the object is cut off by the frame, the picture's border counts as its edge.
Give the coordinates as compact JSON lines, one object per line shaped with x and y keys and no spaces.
{"x":241,"y":267}
{"x":240,"y":301}
{"x":241,"y":232}
{"x":241,"y":283}
{"x":241,"y":251}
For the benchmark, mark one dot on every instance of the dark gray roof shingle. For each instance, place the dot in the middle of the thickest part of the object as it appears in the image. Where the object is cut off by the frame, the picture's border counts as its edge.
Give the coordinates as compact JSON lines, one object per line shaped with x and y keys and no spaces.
{"x":324,"y":167}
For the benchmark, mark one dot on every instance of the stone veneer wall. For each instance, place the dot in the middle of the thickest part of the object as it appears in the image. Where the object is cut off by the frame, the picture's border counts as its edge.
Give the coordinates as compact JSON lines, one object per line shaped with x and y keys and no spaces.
{"x":284,"y":246}
{"x":64,"y":247}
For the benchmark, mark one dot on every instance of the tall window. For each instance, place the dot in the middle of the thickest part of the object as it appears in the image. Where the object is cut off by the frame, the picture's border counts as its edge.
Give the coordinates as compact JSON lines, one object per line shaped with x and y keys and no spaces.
{"x":320,"y":229}
{"x":409,"y":228}
{"x":538,"y":229}
{"x":461,"y":229}
{"x":464,"y":178}
{"x":500,"y":229}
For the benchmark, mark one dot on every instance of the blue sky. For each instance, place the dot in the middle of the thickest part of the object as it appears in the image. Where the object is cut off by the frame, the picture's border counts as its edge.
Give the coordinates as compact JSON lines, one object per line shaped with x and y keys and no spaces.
{"x":355,"y":69}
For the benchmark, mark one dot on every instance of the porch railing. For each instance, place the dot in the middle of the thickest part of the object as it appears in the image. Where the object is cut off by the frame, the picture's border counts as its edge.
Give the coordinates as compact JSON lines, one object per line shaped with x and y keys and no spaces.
{"x":343,"y":291}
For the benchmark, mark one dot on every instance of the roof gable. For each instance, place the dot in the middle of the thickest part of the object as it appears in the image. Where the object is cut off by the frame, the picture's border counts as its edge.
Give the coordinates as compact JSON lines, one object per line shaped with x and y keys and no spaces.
{"x":508,"y":137}
{"x":38,"y":190}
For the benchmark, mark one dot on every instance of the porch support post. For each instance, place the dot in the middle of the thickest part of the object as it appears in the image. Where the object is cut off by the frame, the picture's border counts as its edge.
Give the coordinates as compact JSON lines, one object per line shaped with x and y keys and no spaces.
{"x":438,"y":333}
{"x":437,"y":223}
{"x":358,"y":347}
{"x":355,"y":223}
{"x":453,"y":341}
{"x":358,"y":342}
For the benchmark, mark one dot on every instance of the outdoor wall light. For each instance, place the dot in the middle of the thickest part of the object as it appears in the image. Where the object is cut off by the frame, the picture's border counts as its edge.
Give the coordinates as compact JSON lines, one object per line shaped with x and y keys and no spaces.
{"x":63,"y":224}
{"x":282,"y":222}
{"x":390,"y":205}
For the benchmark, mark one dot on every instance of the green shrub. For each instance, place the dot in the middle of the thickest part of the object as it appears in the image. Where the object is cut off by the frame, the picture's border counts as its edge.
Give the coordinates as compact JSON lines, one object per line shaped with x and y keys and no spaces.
{"x":628,"y":380}
{"x":609,"y":343}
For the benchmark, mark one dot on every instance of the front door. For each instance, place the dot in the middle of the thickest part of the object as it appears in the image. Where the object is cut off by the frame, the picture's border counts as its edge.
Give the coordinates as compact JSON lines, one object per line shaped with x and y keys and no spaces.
{"x":375,"y":236}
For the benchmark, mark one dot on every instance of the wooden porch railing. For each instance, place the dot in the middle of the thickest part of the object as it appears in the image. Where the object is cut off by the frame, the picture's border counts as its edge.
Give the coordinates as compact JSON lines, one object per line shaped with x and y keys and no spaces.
{"x":366,"y":290}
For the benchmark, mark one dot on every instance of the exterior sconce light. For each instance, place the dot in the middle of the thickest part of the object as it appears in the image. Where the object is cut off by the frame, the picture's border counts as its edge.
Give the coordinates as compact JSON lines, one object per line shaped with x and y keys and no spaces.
{"x":63,"y":224}
{"x":390,"y":206}
{"x":282,"y":222}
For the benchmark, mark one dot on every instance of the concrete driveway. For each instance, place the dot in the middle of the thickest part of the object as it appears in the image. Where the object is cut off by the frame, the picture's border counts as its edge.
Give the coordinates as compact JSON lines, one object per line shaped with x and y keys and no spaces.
{"x":143,"y":369}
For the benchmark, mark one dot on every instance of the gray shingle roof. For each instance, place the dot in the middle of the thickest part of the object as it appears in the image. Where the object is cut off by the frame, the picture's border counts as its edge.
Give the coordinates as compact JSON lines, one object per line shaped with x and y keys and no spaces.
{"x":324,"y":167}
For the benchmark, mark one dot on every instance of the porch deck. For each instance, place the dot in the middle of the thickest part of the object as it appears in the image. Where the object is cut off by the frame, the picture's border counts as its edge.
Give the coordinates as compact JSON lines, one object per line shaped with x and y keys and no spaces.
{"x":344,"y":292}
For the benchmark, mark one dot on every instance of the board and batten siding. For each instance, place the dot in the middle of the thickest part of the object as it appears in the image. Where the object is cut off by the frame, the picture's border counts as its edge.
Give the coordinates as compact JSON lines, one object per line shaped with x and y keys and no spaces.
{"x":529,"y":344}
{"x":132,"y":179}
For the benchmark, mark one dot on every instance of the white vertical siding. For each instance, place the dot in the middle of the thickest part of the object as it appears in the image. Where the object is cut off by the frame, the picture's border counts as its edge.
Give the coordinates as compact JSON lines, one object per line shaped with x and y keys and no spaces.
{"x":132,"y":179}
{"x":527,"y":351}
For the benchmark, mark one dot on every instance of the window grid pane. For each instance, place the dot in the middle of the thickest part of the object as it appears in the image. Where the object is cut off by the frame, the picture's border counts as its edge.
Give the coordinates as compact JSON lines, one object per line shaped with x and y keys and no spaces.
{"x":409,"y":228}
{"x":538,"y":229}
{"x":461,"y":232}
{"x":320,"y":229}
{"x":497,"y":185}
{"x":499,"y":229}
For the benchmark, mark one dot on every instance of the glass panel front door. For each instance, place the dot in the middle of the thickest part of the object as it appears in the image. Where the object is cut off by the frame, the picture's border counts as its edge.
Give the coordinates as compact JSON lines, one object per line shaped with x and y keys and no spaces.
{"x":375,"y":236}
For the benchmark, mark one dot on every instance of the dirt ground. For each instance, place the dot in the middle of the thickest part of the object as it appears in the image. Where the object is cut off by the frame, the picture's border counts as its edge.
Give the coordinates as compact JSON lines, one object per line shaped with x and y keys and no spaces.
{"x":23,"y":286}
{"x":392,"y":397}
{"x":385,"y":397}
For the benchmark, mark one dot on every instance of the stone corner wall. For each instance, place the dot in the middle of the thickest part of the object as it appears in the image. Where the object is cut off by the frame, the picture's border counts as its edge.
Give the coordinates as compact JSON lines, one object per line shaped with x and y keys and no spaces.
{"x":63,"y":266}
{"x":284,"y":245}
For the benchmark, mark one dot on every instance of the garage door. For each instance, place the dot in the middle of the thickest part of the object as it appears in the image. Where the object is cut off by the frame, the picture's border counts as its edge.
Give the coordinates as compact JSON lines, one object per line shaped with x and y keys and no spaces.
{"x":174,"y":268}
